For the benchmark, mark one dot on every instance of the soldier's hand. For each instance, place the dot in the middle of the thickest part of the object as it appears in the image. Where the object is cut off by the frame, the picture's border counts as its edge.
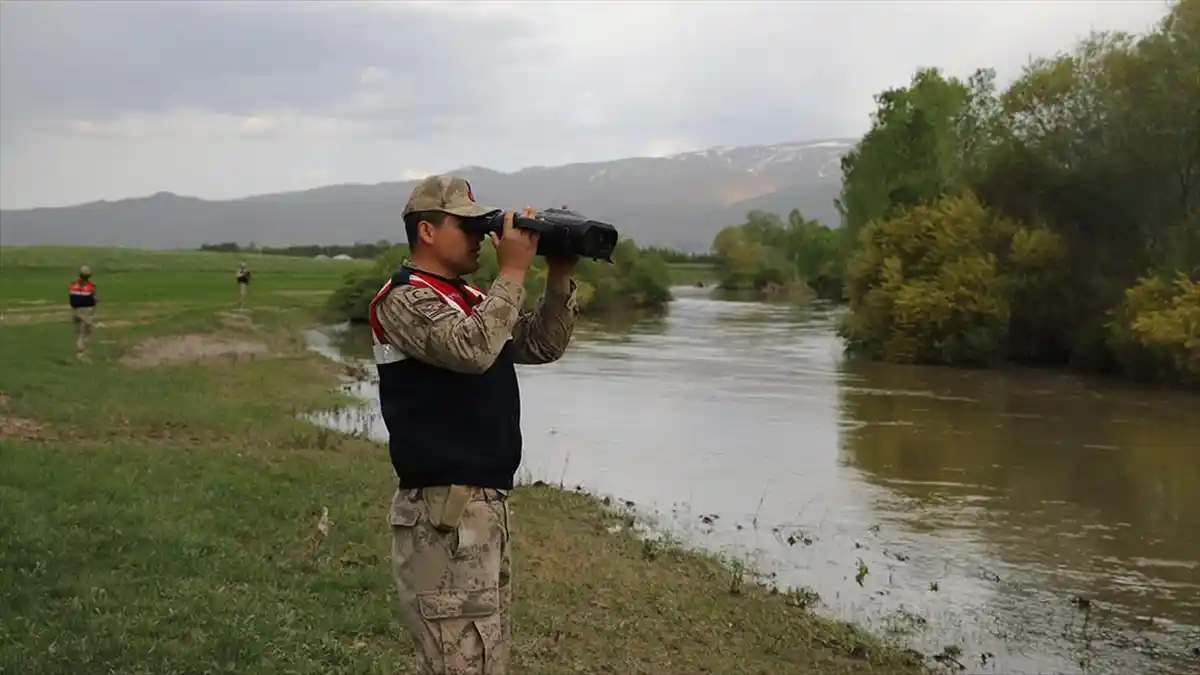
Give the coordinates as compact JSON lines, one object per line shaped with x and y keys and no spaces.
{"x":515,"y":248}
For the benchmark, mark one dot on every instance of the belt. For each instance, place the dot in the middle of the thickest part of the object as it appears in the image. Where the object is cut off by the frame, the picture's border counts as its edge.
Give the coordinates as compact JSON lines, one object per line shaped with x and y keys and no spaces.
{"x":478,"y":494}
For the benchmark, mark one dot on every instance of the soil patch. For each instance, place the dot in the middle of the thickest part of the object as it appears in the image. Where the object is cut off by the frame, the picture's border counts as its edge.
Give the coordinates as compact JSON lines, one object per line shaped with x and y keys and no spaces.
{"x":19,"y":428}
{"x":193,"y":349}
{"x":235,"y":320}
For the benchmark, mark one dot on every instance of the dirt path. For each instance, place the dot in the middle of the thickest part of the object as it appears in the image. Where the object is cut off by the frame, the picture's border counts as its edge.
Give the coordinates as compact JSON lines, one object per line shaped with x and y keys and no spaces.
{"x":193,"y":349}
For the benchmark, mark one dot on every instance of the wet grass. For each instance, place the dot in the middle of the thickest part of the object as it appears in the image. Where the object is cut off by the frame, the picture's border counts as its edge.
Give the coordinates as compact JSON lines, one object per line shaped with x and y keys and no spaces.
{"x":183,"y":518}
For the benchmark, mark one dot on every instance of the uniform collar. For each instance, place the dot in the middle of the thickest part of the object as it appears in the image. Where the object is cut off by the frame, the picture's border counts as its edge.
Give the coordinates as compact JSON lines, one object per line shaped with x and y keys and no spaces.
{"x":459,"y":281}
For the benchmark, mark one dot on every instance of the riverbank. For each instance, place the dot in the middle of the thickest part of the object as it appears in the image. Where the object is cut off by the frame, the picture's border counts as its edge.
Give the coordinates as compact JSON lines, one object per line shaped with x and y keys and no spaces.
{"x":167,"y":509}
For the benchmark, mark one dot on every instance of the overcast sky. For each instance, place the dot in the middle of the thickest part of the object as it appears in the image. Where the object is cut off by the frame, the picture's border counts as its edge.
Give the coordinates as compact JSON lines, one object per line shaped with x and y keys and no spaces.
{"x":219,"y":99}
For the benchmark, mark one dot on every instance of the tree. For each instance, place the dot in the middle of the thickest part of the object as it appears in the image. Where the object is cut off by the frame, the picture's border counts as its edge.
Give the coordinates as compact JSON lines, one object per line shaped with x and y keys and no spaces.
{"x":1098,"y":147}
{"x":914,"y":151}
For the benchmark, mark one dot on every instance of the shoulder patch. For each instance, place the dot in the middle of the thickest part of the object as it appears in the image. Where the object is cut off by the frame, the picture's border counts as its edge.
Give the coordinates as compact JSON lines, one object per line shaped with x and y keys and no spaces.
{"x":424,"y":302}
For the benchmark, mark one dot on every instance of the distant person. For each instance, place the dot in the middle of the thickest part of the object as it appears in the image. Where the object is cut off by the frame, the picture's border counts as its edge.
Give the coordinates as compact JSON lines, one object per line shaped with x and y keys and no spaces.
{"x":243,"y":283}
{"x":81,"y":293}
{"x":448,"y":392}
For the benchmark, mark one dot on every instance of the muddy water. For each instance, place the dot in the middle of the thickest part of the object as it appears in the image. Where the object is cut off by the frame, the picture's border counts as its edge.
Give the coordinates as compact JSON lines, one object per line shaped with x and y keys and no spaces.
{"x":1037,"y":522}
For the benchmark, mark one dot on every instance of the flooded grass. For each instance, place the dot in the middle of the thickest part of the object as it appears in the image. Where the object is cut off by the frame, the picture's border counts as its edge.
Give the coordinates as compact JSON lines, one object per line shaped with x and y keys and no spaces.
{"x":184,"y":515}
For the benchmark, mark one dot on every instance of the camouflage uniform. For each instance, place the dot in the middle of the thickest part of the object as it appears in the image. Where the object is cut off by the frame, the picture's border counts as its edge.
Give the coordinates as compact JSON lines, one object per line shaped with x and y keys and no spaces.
{"x":83,"y":299}
{"x":425,"y":327}
{"x":243,"y":282}
{"x":84,"y":319}
{"x":456,"y":586}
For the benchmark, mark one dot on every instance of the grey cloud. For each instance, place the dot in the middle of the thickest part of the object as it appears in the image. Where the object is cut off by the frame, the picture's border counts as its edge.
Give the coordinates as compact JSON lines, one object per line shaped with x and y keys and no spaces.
{"x":87,"y":60}
{"x":524,"y":84}
{"x":449,"y":73}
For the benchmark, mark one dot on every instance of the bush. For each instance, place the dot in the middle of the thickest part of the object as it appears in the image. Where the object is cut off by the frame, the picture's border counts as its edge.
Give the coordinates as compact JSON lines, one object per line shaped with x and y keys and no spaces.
{"x":935,"y":283}
{"x":770,"y":257}
{"x":349,"y":302}
{"x":1156,"y":330}
{"x":636,"y":280}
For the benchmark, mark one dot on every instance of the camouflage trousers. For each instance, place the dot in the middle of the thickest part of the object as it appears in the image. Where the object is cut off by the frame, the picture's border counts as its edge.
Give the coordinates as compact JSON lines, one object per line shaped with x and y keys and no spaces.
{"x":455,"y":586}
{"x":82,"y":318}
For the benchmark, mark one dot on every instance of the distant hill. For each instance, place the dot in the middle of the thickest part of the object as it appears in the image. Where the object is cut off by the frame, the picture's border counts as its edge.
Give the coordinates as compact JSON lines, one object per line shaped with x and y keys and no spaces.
{"x":680,"y":201}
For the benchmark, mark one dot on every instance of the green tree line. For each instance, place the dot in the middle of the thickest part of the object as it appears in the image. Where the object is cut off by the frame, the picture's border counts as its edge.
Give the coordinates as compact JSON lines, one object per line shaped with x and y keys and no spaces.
{"x":636,"y":280}
{"x":673,"y":256}
{"x":1053,"y":222}
{"x":772,"y":258}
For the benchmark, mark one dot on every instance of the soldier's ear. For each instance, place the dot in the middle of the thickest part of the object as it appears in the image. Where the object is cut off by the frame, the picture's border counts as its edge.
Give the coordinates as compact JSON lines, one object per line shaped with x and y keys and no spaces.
{"x":428,"y":226}
{"x":425,"y":230}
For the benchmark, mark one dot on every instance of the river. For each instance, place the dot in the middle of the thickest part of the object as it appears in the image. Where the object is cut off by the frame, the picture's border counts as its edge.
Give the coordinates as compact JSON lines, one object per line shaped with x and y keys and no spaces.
{"x":1036,"y":521}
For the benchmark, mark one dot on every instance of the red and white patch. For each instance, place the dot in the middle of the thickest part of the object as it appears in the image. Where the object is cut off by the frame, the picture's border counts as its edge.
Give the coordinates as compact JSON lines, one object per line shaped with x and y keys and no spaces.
{"x":448,"y":292}
{"x":384,"y":351}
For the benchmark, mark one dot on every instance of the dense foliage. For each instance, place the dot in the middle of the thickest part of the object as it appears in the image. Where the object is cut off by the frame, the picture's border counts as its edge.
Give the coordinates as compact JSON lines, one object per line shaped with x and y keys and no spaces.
{"x":635,"y":280}
{"x":1055,"y":222}
{"x":771,"y":257}
{"x":941,"y":283}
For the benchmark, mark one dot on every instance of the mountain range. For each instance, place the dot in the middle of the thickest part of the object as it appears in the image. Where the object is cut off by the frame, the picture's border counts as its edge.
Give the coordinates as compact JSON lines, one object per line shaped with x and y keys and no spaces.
{"x":680,"y":201}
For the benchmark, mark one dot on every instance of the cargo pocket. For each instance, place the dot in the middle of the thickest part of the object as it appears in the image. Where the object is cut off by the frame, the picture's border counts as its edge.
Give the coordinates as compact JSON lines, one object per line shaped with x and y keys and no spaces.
{"x":404,"y":512}
{"x":467,"y":623}
{"x":403,"y":516}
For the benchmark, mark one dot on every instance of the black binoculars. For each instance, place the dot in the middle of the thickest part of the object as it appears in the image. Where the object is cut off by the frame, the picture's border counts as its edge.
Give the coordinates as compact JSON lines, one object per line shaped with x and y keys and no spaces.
{"x":563,"y":232}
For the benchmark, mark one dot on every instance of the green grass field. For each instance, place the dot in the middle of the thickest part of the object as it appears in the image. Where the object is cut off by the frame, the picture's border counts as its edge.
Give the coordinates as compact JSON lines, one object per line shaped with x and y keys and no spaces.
{"x":689,"y":274}
{"x":159,"y":506}
{"x":35,"y":275}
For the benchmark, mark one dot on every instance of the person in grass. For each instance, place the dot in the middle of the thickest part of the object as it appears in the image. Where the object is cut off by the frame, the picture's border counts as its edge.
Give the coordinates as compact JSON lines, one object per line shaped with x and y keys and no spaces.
{"x":81,"y":294}
{"x":445,"y":352}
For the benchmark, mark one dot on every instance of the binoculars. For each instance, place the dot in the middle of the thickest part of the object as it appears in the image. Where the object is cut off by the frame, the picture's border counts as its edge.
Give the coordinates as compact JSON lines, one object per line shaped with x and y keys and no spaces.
{"x":563,"y":232}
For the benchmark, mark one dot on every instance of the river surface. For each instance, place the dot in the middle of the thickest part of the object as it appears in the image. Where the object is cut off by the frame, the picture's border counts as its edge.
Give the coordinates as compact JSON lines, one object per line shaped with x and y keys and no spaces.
{"x":1039,"y":522}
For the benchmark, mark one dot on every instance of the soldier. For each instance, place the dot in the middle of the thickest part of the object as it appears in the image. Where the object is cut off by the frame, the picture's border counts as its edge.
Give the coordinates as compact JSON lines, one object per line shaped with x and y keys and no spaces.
{"x":81,"y":293}
{"x":448,"y":392}
{"x":243,"y":282}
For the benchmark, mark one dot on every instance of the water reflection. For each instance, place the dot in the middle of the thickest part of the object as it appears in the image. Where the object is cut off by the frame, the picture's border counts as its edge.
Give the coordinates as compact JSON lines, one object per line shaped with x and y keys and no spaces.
{"x":979,"y":504}
{"x":1073,"y":489}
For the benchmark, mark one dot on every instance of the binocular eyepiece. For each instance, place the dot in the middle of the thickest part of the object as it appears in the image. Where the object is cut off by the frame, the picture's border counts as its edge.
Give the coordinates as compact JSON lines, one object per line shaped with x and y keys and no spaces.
{"x":563,"y":232}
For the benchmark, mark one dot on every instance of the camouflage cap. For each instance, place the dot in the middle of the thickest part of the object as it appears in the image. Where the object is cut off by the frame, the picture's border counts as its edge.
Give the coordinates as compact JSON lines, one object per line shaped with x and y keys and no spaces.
{"x":449,"y":194}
